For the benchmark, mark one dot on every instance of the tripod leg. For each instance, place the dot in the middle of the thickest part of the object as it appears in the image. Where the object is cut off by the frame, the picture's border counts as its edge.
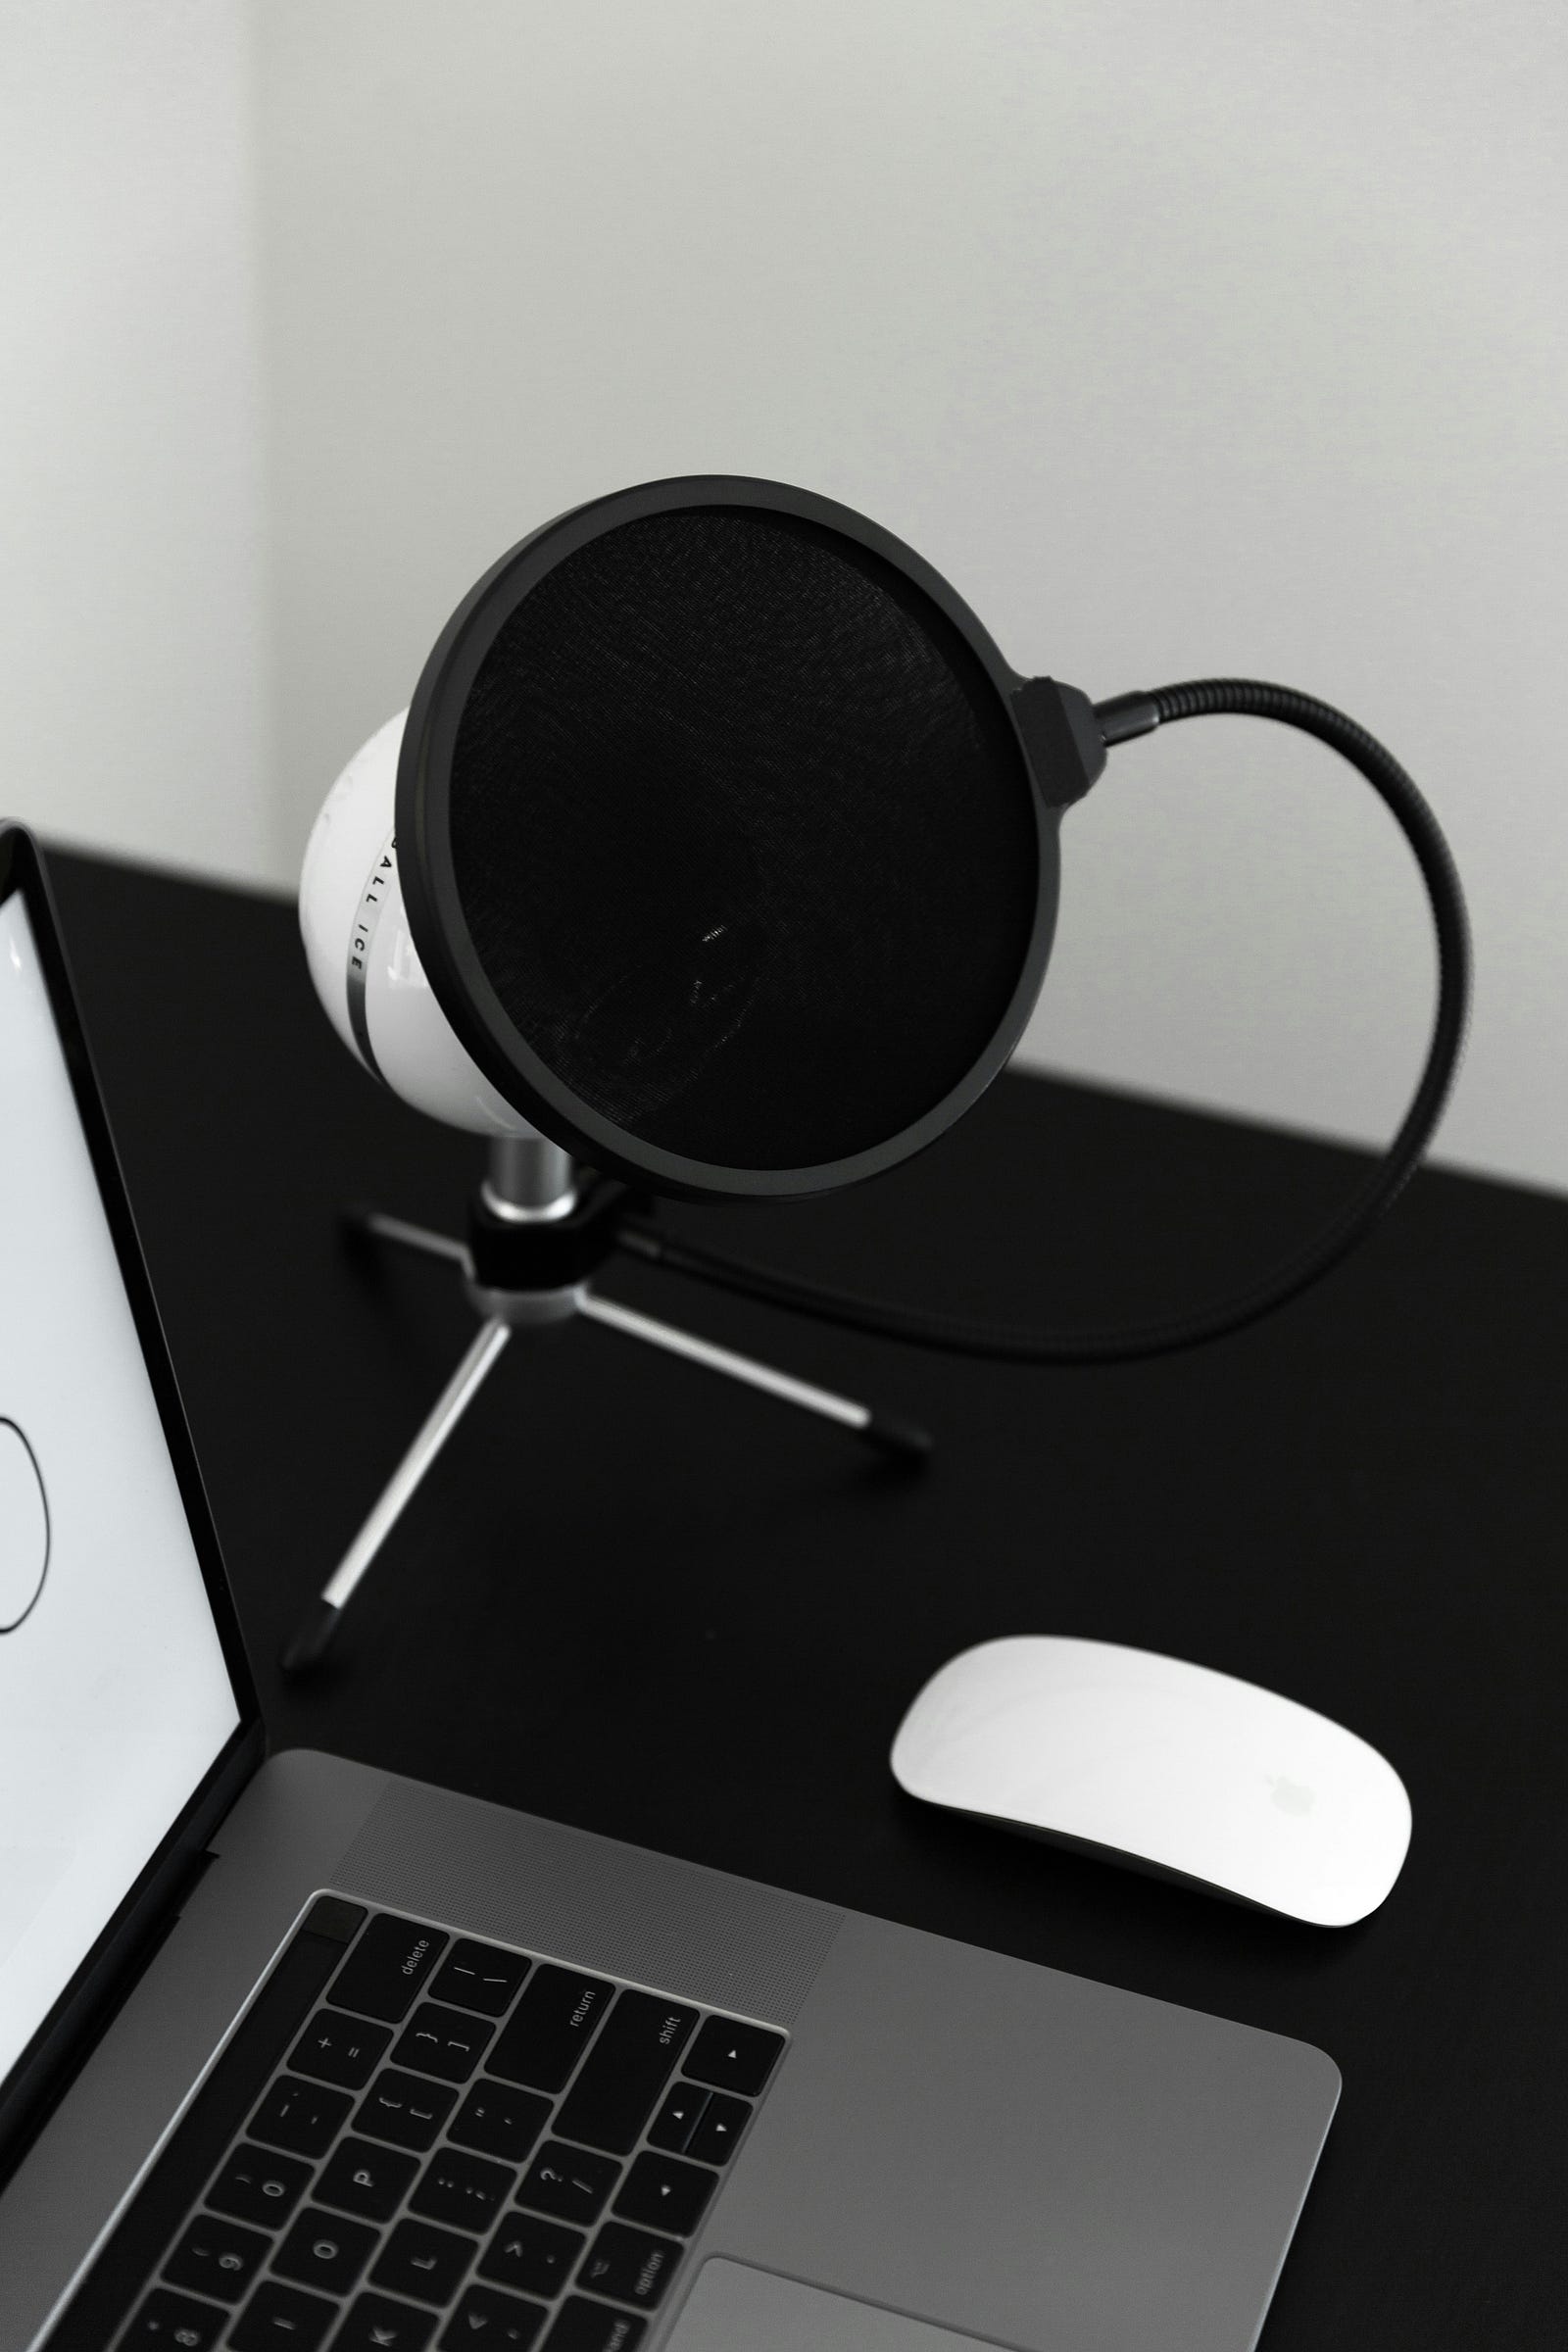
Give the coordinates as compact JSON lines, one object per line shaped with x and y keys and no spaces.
{"x":370,"y":1225}
{"x":315,"y":1629}
{"x":882,"y":1429}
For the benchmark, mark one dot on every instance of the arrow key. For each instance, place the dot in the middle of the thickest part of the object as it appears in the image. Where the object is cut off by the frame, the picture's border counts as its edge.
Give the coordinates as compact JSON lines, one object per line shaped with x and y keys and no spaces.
{"x":717,"y":2128}
{"x":732,"y":2056}
{"x":665,"y":2193}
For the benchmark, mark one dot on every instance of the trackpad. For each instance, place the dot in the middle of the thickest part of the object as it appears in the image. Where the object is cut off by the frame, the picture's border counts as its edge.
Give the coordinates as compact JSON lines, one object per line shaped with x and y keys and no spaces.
{"x":731,"y":2305}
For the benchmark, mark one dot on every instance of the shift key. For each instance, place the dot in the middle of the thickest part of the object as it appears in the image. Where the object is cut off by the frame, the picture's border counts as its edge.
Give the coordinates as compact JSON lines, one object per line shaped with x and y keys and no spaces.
{"x":625,"y":2071}
{"x":549,"y":2028}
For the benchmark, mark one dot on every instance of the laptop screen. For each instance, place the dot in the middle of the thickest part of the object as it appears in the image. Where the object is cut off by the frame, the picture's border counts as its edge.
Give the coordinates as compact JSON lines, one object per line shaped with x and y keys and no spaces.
{"x":115,"y":1696}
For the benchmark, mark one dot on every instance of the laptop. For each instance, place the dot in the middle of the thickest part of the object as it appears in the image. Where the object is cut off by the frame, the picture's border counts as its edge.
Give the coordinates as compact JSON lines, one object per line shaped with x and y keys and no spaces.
{"x":300,"y":2056}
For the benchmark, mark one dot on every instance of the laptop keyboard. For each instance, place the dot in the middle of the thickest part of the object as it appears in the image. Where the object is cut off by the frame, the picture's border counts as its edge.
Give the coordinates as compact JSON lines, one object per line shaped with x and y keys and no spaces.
{"x":427,"y":2141}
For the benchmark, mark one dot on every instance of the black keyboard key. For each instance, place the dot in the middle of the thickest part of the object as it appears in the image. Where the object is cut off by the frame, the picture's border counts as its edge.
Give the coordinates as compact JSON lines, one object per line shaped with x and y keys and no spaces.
{"x":281,"y":2319}
{"x":170,"y":2322}
{"x":625,"y":2071}
{"x":255,"y":2185}
{"x":734,"y":2057}
{"x":323,"y":2250}
{"x":569,"y":2182}
{"x":365,"y":2178}
{"x":442,"y":2041}
{"x":419,"y":2260}
{"x":534,"y":2257}
{"x":387,"y":1968}
{"x":717,"y":2128}
{"x":217,"y":2258}
{"x":493,"y":2323}
{"x":404,"y":2109}
{"x":476,"y":1976}
{"x":500,"y":2120}
{"x":630,"y":2265}
{"x":550,"y":2028}
{"x":377,"y":2324}
{"x":305,"y":2117}
{"x":340,"y":2049}
{"x":665,"y":2193}
{"x":677,"y":2118}
{"x":588,"y":2327}
{"x":466,"y":2190}
{"x":329,"y":1915}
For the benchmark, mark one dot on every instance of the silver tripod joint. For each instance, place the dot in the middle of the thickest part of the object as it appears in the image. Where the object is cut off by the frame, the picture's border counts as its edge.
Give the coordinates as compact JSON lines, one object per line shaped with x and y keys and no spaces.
{"x":529,"y":1180}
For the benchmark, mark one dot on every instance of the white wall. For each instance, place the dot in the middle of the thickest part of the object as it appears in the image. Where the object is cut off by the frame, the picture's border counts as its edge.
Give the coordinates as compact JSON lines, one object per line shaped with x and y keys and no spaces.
{"x":133,"y":678}
{"x":1225,"y":338}
{"x":1212,"y":339}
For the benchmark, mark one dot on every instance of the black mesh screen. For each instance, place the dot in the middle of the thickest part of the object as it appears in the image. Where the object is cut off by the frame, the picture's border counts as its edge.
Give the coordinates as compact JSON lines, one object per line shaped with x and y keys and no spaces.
{"x":742,"y":839}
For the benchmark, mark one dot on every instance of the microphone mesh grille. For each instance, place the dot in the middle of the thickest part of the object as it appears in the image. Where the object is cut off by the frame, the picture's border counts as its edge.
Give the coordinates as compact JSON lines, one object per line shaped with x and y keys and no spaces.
{"x":742,"y":838}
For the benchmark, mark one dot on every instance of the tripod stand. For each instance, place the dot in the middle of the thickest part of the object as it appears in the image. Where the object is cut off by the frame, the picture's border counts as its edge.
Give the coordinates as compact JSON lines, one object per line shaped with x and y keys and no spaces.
{"x":535,"y":1244}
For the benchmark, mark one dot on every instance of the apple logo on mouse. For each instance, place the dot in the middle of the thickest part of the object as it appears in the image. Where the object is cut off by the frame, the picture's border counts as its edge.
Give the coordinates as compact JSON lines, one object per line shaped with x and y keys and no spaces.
{"x":1292,"y":1797}
{"x":23,"y":1527}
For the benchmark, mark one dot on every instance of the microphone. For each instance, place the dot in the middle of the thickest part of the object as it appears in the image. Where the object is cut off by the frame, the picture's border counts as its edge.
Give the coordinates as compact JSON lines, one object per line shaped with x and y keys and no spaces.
{"x":362,"y":960}
{"x":718,"y":849}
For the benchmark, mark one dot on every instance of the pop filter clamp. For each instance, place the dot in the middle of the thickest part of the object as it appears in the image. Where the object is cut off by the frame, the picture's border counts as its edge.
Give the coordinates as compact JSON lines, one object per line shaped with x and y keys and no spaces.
{"x":718,"y":855}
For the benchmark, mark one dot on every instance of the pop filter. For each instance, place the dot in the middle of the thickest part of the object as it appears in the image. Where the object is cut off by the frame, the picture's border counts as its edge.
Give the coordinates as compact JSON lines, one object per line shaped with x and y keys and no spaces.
{"x":728,"y":839}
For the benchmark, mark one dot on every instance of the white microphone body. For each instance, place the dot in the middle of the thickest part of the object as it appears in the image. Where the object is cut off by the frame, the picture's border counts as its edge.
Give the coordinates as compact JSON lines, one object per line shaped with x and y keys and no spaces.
{"x":362,"y":959}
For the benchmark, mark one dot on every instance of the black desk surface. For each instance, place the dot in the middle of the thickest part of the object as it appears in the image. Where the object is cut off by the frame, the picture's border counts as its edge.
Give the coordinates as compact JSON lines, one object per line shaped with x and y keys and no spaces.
{"x":634,"y":1598}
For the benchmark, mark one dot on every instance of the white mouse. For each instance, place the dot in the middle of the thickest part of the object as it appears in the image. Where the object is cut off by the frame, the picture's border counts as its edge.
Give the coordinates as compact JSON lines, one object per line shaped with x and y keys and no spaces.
{"x":1163,"y":1766}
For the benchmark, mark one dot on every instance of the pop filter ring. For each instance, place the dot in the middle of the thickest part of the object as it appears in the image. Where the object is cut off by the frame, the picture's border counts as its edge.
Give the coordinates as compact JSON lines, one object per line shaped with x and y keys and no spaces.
{"x":1061,"y":742}
{"x":1051,"y":773}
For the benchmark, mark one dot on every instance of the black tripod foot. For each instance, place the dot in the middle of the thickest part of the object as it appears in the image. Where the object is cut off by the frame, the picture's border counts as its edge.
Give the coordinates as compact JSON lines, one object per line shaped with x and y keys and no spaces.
{"x":903,"y":1438}
{"x":311,"y":1639}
